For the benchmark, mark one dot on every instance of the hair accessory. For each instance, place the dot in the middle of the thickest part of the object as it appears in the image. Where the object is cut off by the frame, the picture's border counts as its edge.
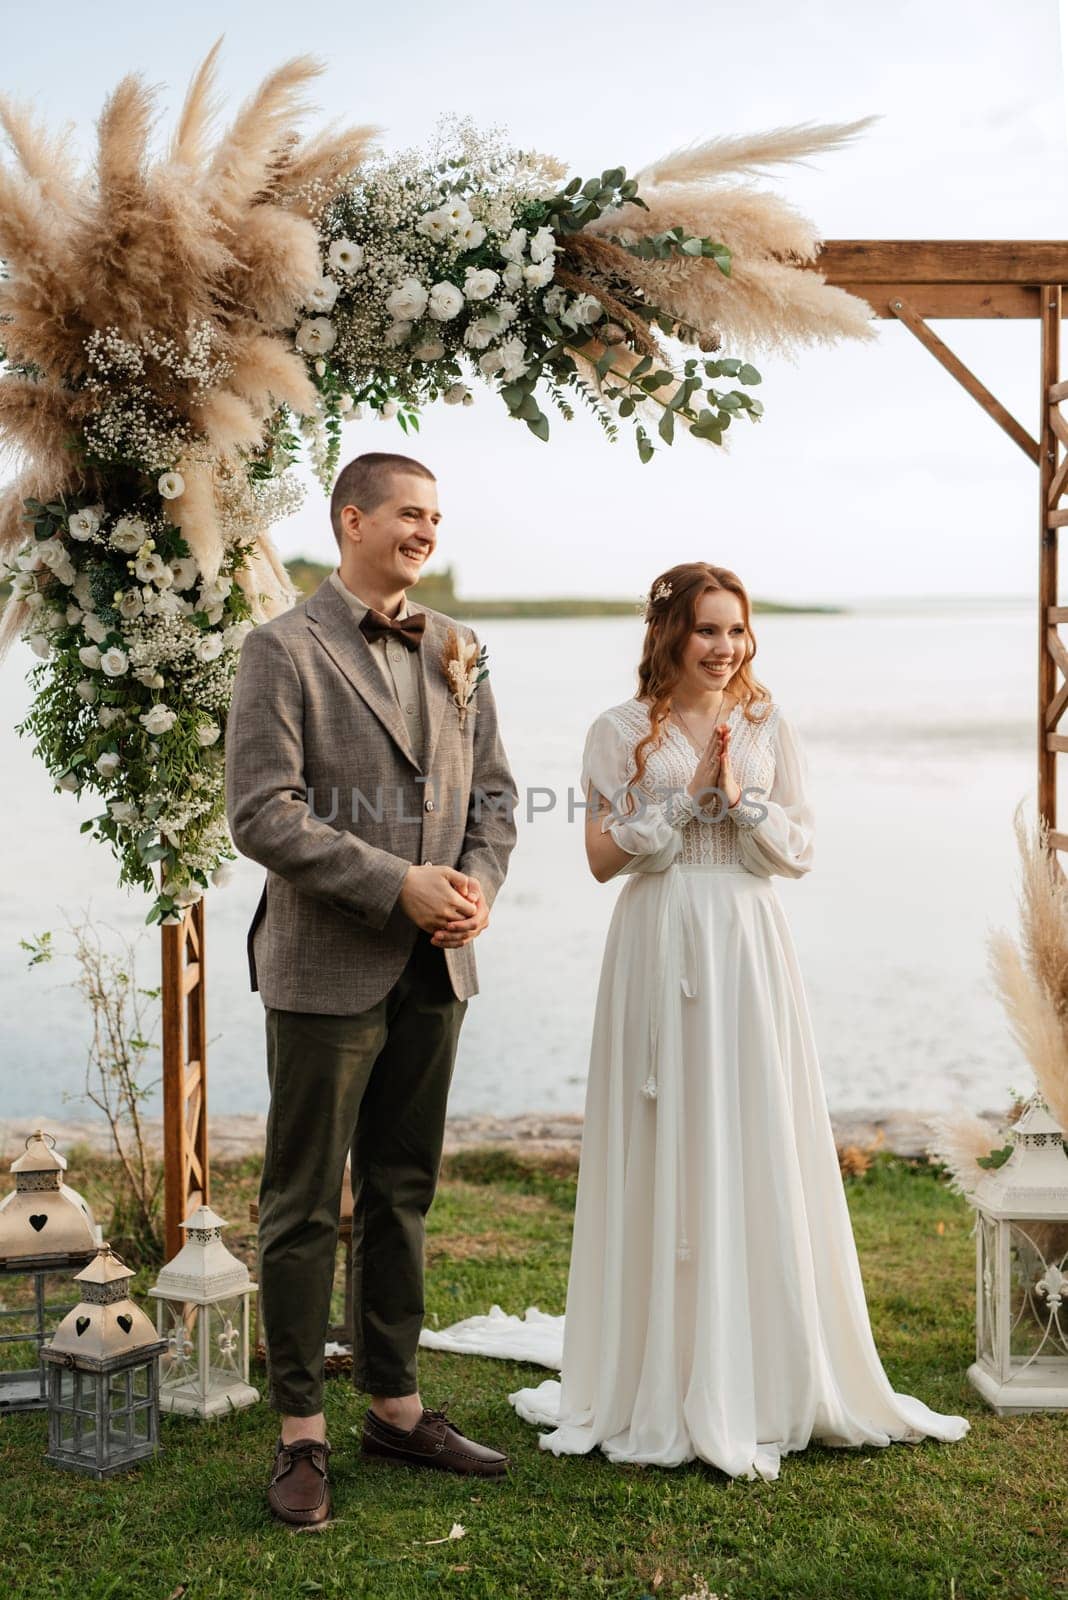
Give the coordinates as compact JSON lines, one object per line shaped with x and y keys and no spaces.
{"x":662,"y":591}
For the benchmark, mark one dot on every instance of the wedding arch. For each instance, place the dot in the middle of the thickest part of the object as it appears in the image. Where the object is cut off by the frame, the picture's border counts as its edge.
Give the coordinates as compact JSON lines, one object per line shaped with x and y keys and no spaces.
{"x":176,"y":328}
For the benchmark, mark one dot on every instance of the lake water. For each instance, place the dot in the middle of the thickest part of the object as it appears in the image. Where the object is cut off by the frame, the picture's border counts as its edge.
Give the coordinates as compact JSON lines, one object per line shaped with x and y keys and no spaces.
{"x":917,"y":722}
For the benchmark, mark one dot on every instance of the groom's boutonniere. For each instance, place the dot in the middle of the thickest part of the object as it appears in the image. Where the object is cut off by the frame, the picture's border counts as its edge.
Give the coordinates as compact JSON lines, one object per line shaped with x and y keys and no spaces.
{"x":465,"y":667}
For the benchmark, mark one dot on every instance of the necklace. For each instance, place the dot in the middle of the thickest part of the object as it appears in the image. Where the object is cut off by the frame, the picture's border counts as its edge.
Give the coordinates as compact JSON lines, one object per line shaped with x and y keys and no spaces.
{"x":694,"y":739}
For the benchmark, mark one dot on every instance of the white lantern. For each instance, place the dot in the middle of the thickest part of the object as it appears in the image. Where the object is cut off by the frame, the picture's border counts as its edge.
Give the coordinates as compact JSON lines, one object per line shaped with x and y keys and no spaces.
{"x":1021,"y":1346}
{"x":103,"y":1377}
{"x":202,"y":1312}
{"x":46,"y":1232}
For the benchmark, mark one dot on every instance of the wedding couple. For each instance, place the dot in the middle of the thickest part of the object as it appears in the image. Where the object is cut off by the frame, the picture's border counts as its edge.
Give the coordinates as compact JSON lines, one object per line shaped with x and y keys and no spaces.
{"x":715,"y":1307}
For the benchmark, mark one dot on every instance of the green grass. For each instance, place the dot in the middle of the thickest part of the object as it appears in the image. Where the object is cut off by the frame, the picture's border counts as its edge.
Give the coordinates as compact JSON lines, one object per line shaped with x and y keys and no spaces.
{"x":977,"y":1518}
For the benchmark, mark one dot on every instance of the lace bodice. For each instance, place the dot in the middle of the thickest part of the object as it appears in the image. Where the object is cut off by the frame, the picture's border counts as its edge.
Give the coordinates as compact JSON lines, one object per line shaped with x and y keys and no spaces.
{"x":769,"y":831}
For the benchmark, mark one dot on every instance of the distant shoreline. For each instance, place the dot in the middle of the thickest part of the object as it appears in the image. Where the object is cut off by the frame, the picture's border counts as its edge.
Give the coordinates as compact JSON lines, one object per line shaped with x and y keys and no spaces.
{"x":438,"y":590}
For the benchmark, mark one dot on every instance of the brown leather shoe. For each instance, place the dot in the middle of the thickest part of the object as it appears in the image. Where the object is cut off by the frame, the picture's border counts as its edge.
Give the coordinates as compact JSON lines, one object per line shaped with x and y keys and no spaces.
{"x":433,"y":1442}
{"x":299,"y":1491}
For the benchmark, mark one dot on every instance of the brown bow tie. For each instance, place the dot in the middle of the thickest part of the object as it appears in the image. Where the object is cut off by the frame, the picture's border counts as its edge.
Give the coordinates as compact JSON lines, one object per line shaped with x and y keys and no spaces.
{"x":373,"y":625}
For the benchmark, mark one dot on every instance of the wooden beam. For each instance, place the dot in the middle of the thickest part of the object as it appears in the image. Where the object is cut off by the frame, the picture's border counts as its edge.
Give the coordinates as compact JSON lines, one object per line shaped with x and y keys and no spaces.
{"x":964,"y":376}
{"x":960,"y":301}
{"x":1057,"y":742}
{"x":1051,"y":700}
{"x":997,"y":261}
{"x":1058,"y":841}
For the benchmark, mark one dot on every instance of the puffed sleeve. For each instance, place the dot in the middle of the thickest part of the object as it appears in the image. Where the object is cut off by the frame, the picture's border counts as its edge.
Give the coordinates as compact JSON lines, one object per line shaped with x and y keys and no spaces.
{"x":775,"y":831}
{"x":652,"y":832}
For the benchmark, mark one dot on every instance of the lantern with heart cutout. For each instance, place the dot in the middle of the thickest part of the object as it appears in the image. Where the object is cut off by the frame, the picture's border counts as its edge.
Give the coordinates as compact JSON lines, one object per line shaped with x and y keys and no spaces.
{"x":103,"y":1376}
{"x":46,"y":1233}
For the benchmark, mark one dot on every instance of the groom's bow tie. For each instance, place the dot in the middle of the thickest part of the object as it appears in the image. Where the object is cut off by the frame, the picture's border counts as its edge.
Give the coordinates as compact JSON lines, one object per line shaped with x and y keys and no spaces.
{"x":410,"y":631}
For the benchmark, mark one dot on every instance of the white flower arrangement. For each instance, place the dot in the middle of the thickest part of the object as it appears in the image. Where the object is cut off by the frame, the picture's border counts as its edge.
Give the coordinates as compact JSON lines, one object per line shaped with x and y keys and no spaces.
{"x":441,"y":269}
{"x":133,"y":684}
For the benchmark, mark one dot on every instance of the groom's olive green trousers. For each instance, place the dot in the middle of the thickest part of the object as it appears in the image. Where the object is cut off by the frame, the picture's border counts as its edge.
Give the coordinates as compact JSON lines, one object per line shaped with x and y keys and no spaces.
{"x":374,"y":1084}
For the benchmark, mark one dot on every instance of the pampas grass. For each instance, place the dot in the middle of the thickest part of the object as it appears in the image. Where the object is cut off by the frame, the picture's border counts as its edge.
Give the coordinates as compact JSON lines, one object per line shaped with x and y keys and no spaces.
{"x":1032,"y":978}
{"x":214,"y":231}
{"x":772,"y":299}
{"x":958,"y":1140}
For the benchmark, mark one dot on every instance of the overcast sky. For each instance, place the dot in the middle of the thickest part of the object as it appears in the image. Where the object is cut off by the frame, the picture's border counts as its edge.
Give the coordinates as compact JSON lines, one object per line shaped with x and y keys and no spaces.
{"x":873,"y":472}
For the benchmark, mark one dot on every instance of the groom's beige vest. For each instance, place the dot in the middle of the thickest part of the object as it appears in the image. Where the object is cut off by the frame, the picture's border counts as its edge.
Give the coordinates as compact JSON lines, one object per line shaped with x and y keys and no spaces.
{"x":324,"y":789}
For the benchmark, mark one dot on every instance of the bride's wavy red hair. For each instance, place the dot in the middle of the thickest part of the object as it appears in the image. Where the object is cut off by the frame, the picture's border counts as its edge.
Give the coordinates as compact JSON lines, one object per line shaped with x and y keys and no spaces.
{"x":669,"y":622}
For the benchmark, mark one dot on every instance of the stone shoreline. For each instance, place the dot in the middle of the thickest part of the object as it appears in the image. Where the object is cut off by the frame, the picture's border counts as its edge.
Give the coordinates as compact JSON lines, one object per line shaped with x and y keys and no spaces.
{"x":898,"y":1130}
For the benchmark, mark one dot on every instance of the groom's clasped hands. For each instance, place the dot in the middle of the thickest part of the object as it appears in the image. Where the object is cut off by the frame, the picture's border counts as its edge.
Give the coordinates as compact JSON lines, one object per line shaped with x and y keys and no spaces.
{"x":447,"y":904}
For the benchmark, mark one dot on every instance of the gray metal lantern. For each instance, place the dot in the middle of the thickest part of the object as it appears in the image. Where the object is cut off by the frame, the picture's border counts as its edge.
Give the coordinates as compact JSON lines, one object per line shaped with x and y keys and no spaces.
{"x":46,"y":1233}
{"x":103,"y":1377}
{"x":202,"y":1304}
{"x":1021,"y":1345}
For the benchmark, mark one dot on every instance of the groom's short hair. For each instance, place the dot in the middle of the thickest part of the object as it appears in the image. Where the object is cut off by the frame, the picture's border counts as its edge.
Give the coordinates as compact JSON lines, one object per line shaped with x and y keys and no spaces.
{"x":365,"y":482}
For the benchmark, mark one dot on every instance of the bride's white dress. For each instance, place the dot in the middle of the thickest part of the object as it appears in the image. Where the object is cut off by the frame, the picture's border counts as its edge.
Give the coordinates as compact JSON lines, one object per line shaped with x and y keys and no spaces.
{"x":715,"y":1307}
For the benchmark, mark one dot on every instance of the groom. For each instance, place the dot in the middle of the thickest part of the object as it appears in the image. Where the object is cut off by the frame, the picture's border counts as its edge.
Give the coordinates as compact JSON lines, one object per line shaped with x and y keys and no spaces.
{"x":385,"y":819}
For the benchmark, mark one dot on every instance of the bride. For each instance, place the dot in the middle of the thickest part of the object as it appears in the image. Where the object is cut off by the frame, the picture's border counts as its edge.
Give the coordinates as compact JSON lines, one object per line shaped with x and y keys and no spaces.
{"x":715,"y":1307}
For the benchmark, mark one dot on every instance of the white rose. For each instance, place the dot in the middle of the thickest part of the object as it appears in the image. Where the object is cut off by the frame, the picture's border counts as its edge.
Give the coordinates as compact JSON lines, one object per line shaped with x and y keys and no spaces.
{"x":107,"y":716}
{"x":35,"y":599}
{"x":63,"y":569}
{"x":586,"y":309}
{"x":153,"y":569}
{"x":128,"y":535}
{"x":345,"y":256}
{"x":386,"y":410}
{"x":469,"y":398}
{"x":515,"y":245}
{"x":82,"y":592}
{"x":235,"y":635}
{"x":190,"y":896}
{"x":22,"y":585}
{"x":222,"y":875}
{"x":83,"y":524}
{"x":29,"y":560}
{"x":454,"y":395}
{"x":481,"y":332}
{"x":480,"y":282}
{"x":149,"y":677}
{"x":94,"y":629}
{"x":207,"y":734}
{"x":131,"y":605}
{"x":320,"y":369}
{"x":114,"y":662}
{"x":86,"y":690}
{"x":209,"y":647}
{"x":397,"y":333}
{"x":446,"y":302}
{"x":108,"y":764}
{"x":458,"y":212}
{"x":316,"y":336}
{"x":539,"y":273}
{"x":471,"y":236}
{"x":507,"y":312}
{"x":514,"y":358}
{"x":171,"y":485}
{"x":89,"y":656}
{"x":428,"y":350}
{"x":543,"y":245}
{"x":323,"y":295}
{"x":513,"y":277}
{"x":74,"y":615}
{"x":40,"y":645}
{"x":70,"y":782}
{"x":553,"y":302}
{"x":123,"y":811}
{"x":160,"y":719}
{"x":491,"y":362}
{"x":184,"y":572}
{"x":434,"y":225}
{"x":345,"y":403}
{"x":408,"y":301}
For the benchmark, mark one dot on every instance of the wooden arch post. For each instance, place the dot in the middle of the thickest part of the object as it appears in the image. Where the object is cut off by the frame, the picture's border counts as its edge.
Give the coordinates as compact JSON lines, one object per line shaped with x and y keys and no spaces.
{"x":185,"y":1074}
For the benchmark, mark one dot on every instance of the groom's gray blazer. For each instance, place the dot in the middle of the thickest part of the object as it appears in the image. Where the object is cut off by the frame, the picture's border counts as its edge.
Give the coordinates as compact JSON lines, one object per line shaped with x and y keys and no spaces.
{"x":324,"y":789}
